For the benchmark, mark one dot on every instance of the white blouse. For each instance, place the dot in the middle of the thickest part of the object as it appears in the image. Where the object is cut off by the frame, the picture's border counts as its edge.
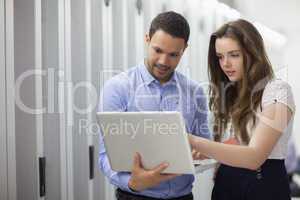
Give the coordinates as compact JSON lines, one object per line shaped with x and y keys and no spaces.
{"x":277,"y":91}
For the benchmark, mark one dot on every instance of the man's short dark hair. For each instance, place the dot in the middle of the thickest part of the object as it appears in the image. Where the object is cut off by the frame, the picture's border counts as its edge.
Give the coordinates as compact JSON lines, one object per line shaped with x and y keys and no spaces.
{"x":172,"y":23}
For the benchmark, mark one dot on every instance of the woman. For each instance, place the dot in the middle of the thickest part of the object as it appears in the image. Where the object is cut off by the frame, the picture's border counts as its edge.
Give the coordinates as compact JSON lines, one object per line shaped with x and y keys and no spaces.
{"x":258,"y":111}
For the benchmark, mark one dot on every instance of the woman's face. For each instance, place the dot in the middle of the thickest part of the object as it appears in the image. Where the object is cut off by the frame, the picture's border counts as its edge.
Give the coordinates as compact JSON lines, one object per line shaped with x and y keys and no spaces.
{"x":230,"y":58}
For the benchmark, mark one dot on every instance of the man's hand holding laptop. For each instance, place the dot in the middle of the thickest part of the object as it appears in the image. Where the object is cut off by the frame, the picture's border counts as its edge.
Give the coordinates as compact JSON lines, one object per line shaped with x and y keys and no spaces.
{"x":142,"y":178}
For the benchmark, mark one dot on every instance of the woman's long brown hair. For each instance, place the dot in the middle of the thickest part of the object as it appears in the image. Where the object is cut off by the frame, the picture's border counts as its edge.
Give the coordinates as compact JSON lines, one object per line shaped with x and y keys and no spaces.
{"x":238,"y":101}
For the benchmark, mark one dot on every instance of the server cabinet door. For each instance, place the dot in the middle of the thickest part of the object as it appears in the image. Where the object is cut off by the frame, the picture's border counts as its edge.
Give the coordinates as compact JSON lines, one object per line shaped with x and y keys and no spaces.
{"x":80,"y":78}
{"x":96,"y":71}
{"x":26,"y":119}
{"x":118,"y":35}
{"x":3,"y":152}
{"x":54,"y":181}
{"x":107,"y":64}
{"x":131,"y":44}
{"x":139,"y":29}
{"x":7,"y":35}
{"x":31,"y":117}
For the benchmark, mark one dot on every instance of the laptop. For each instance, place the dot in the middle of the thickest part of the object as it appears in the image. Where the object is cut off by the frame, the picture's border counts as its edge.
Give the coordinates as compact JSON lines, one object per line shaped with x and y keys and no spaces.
{"x":156,"y":136}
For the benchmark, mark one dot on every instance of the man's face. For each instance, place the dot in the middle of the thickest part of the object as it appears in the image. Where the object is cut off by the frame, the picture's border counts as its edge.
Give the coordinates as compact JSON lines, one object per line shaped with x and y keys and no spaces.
{"x":164,"y":53}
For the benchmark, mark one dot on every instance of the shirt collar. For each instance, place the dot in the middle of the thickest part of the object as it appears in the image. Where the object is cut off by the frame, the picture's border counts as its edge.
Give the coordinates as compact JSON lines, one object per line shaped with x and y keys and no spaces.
{"x":148,"y":78}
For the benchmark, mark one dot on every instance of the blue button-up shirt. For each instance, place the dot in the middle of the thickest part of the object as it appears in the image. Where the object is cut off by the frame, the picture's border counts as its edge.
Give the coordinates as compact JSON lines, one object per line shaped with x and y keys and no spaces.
{"x":137,"y":90}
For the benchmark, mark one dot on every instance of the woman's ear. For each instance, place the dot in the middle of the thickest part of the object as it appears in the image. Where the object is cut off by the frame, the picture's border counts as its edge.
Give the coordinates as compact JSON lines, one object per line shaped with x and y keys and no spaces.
{"x":247,"y":61}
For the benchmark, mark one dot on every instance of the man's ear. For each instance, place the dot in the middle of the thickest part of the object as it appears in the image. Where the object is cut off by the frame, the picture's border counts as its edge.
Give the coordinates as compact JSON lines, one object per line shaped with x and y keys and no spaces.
{"x":186,"y":45}
{"x":147,"y":38}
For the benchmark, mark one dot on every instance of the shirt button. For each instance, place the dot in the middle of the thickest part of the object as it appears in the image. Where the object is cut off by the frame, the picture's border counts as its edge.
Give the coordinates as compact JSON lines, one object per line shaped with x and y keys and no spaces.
{"x":259,"y":176}
{"x":258,"y":170}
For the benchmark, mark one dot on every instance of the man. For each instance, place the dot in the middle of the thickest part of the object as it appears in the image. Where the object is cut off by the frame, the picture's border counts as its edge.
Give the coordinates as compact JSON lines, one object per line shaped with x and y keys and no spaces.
{"x":154,"y":85}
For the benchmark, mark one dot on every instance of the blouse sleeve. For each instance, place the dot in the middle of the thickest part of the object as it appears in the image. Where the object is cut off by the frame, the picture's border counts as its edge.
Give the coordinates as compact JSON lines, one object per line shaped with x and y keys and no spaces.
{"x":278,"y":91}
